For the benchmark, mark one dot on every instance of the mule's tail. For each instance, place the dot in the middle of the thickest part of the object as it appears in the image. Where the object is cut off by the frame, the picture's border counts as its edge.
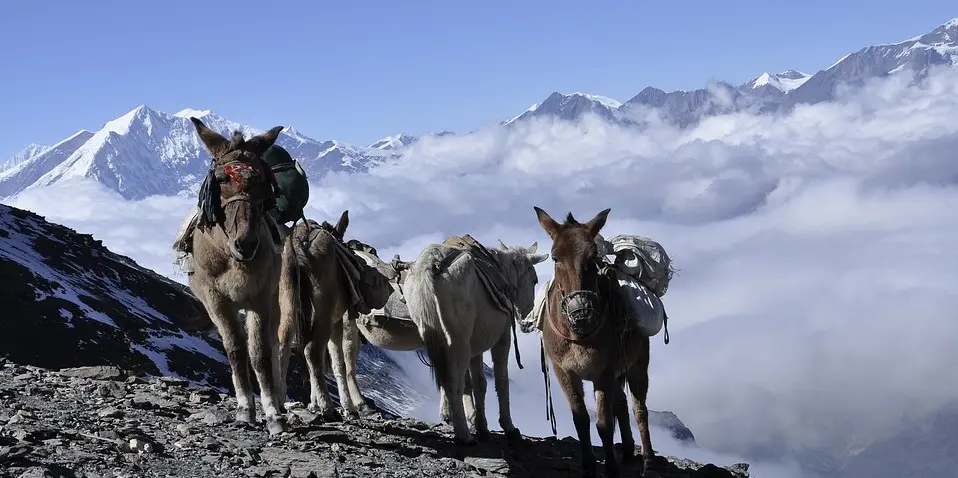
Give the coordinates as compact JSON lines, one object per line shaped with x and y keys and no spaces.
{"x":296,"y":298}
{"x":423,"y":305}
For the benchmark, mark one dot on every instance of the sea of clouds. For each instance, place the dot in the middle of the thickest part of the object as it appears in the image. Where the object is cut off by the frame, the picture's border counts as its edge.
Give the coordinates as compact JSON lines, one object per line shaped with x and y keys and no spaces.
{"x":815,"y":302}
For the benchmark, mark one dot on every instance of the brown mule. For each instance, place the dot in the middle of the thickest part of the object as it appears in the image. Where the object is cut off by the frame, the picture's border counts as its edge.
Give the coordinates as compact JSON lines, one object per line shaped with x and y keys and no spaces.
{"x":237,"y":266}
{"x":586,"y":340}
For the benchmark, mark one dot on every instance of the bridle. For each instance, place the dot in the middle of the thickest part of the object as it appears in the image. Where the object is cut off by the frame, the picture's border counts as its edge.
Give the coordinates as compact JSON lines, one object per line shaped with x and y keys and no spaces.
{"x":588,"y":317}
{"x":242,"y":174}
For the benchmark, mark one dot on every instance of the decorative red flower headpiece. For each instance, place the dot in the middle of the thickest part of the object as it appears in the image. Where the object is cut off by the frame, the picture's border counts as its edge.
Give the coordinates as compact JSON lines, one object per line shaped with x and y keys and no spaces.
{"x":242,"y":174}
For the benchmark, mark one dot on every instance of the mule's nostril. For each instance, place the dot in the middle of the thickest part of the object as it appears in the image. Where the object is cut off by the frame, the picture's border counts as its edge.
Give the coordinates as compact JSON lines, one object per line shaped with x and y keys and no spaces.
{"x":238,"y":245}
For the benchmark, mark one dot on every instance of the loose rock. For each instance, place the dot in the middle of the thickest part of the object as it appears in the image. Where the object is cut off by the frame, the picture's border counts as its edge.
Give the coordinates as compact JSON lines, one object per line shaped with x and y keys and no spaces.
{"x":95,"y":422}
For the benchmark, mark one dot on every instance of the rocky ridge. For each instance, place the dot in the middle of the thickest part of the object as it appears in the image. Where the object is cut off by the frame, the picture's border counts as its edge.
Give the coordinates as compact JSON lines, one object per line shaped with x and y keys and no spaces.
{"x":101,"y":421}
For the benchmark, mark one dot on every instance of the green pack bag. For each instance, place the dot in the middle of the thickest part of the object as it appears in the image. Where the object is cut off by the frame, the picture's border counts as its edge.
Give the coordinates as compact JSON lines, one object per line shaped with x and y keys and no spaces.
{"x":291,"y":179}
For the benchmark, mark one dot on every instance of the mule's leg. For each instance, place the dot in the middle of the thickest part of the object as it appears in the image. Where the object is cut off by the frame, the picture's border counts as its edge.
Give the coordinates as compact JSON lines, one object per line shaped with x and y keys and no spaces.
{"x":285,"y":350}
{"x":226,"y":319}
{"x":572,"y":389}
{"x":468,"y":401}
{"x":315,"y":354}
{"x":335,"y":348}
{"x":478,"y":379}
{"x":625,"y":427}
{"x":263,"y":355}
{"x":606,"y":392}
{"x":351,"y":344}
{"x":445,"y":411}
{"x":500,"y":371}
{"x":279,"y":370}
{"x":638,"y":377}
{"x":468,"y":405}
{"x":454,"y":385}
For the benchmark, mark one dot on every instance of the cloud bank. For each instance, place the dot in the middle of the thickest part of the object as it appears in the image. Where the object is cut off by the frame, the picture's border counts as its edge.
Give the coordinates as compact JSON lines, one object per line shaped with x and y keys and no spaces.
{"x":817,"y":287}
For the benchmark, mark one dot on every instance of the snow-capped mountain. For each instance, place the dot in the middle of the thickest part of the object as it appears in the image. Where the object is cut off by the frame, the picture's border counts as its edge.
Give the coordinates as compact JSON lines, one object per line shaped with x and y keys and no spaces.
{"x":23,"y":175}
{"x":686,"y":107}
{"x":30,"y":151}
{"x":147,"y":152}
{"x":398,"y":141}
{"x":938,"y":47}
{"x":570,"y":106}
{"x":767,"y":93}
{"x":782,"y":82}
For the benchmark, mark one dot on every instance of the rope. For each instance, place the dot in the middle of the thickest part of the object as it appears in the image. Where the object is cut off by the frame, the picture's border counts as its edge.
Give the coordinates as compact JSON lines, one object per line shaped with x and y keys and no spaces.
{"x":421,"y":353}
{"x":550,"y":411}
{"x":208,"y":198}
{"x":665,"y":323}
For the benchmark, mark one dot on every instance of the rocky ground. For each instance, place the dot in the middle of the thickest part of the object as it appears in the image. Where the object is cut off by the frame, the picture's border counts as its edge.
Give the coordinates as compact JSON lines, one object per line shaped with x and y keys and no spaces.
{"x":100,"y":422}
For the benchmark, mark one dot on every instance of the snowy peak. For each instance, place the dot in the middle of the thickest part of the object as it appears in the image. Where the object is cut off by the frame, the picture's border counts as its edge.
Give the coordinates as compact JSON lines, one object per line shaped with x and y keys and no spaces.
{"x":943,"y":39}
{"x":785,"y":81}
{"x":191,"y":113}
{"x":23,"y":175}
{"x":147,"y":152}
{"x":571,"y":106}
{"x":29,"y":152}
{"x":394,"y":142}
{"x":602,"y":100}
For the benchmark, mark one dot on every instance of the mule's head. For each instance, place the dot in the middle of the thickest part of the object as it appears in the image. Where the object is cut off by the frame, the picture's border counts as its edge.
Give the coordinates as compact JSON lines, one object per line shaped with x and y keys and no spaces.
{"x":576,"y":273}
{"x":245,"y":185}
{"x":339,"y":230}
{"x":524,"y":260}
{"x":318,"y":240}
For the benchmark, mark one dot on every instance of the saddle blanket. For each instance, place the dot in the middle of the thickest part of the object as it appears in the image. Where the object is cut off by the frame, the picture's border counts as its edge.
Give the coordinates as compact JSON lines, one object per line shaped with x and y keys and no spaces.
{"x":490,"y":272}
{"x":395,"y":307}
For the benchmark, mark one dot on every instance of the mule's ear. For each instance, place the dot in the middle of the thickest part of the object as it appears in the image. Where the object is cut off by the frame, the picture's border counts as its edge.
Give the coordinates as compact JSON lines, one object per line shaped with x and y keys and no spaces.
{"x":259,"y":144}
{"x":535,"y":259}
{"x":215,"y":143}
{"x":343,"y":223}
{"x":533,"y":248}
{"x":595,"y":225}
{"x":548,"y":224}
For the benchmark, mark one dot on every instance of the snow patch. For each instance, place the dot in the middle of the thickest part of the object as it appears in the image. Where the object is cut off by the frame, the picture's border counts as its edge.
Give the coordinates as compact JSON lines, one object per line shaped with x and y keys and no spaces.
{"x":602,"y":100}
{"x":190,"y":112}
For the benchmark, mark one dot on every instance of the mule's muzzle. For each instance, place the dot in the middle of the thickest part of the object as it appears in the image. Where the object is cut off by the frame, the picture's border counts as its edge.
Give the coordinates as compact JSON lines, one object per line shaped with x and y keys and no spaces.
{"x":582,"y":309}
{"x":244,"y":251}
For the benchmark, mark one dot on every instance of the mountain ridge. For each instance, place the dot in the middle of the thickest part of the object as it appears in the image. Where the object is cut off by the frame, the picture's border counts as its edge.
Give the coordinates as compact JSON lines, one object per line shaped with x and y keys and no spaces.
{"x":766,"y":93}
{"x":130,"y":155}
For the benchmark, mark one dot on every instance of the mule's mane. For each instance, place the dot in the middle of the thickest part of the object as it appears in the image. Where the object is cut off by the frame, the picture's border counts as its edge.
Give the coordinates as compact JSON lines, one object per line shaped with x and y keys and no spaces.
{"x":237,"y":141}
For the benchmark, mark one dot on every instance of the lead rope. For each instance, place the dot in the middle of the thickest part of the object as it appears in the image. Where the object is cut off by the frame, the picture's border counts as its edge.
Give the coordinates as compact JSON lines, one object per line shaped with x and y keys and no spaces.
{"x":516,"y":317}
{"x":550,"y":412}
{"x":665,"y":323}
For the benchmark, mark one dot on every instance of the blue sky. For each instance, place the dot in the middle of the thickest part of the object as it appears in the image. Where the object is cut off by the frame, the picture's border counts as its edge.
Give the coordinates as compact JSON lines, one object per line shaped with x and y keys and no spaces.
{"x":358,"y":71}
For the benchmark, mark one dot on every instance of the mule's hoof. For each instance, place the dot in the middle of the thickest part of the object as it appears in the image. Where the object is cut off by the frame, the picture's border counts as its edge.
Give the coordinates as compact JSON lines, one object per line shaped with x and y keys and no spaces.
{"x":349,"y":415}
{"x":612,"y":469}
{"x":245,"y":415}
{"x":483,"y":435}
{"x":514,"y":436}
{"x":652,"y":462}
{"x":628,"y":453}
{"x":277,"y":425}
{"x":588,"y":468}
{"x":331,"y":415}
{"x":365,"y":410}
{"x":471,"y":441}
